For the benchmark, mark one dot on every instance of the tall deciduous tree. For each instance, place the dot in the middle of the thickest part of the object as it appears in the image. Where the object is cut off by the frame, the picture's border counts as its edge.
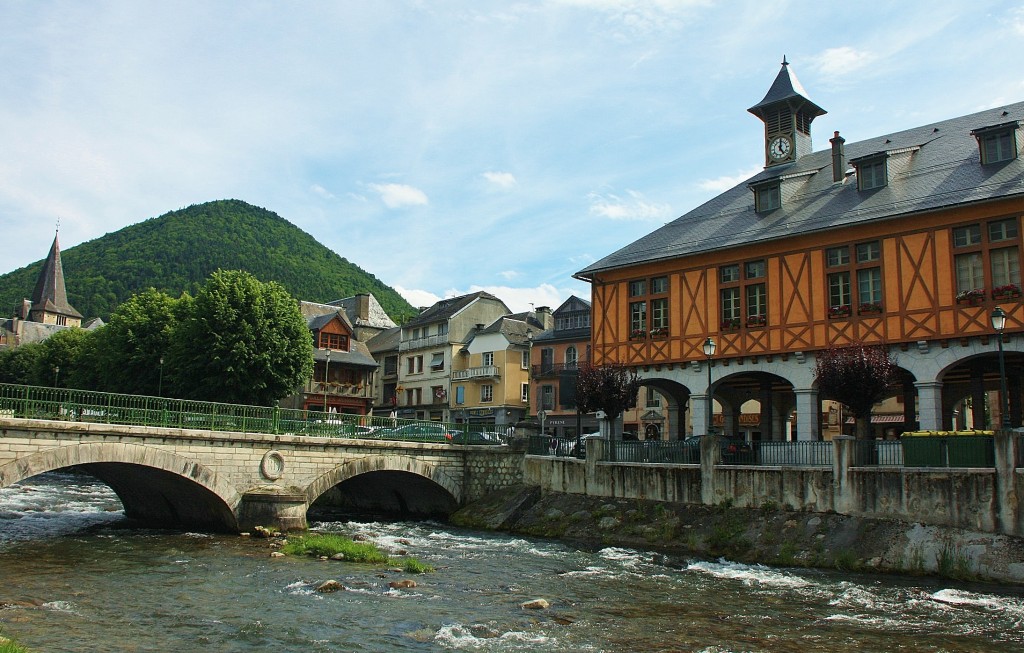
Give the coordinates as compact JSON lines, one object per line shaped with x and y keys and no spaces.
{"x":857,"y":375}
{"x":240,"y":340}
{"x":130,"y":347}
{"x":609,"y":388}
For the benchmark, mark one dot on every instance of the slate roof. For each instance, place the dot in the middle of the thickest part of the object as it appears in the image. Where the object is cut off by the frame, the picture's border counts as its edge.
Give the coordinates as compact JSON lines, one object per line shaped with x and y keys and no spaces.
{"x":50,"y":295}
{"x":786,"y":87}
{"x":512,"y":328}
{"x":447,"y":308}
{"x":385,"y":341}
{"x":376,"y":318}
{"x":942,"y":169}
{"x":357,"y":356}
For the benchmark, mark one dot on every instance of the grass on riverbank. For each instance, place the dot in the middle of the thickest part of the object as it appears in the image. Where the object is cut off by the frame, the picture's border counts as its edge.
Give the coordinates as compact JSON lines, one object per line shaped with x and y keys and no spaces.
{"x":328,"y":546}
{"x":7,"y":646}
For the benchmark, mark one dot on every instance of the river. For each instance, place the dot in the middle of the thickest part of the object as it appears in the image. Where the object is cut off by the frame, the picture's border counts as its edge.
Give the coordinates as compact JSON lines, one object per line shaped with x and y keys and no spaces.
{"x":73,"y":578}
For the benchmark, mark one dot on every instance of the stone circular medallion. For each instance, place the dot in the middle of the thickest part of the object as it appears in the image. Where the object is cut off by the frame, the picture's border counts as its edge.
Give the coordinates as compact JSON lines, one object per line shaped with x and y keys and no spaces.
{"x":272,"y":465}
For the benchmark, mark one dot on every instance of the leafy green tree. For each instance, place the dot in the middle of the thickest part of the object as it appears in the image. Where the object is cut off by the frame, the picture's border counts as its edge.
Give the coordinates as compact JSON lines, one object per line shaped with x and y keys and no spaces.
{"x":609,"y":388}
{"x":239,"y":340}
{"x":858,"y":376}
{"x":60,"y":359}
{"x":132,"y":347}
{"x":18,"y":364}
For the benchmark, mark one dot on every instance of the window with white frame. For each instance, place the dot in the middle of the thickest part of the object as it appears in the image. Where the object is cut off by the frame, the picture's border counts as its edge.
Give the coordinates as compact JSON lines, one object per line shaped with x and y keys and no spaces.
{"x":524,"y":393}
{"x":486,"y":394}
{"x":487,"y":358}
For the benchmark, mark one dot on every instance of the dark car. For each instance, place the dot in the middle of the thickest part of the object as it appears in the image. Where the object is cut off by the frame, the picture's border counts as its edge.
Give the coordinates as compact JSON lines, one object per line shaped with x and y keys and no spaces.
{"x":417,"y":432}
{"x":737,"y":451}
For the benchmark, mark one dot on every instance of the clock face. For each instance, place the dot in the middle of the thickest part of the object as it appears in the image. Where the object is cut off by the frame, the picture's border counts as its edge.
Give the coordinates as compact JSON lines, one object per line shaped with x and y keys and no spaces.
{"x":779,"y":148}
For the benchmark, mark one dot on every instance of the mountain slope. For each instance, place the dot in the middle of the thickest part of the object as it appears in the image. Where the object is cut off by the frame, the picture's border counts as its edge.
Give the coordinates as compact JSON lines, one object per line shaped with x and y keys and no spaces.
{"x":178,"y":250}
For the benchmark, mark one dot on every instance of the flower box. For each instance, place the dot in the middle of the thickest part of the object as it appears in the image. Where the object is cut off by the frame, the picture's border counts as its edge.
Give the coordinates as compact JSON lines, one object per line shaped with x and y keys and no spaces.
{"x":841,"y":311}
{"x":637,"y":334}
{"x":659,"y":332}
{"x":757,"y":320}
{"x":1009,"y":291}
{"x":730,"y":324}
{"x":971,"y":297}
{"x":869,"y":309}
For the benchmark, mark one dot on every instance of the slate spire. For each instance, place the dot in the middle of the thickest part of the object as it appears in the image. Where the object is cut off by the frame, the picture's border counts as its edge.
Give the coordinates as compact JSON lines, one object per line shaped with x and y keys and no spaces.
{"x":50,"y":295}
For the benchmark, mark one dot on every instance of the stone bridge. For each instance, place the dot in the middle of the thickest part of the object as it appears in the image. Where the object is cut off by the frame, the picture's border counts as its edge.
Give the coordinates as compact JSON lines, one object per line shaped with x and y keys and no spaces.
{"x":223,"y":481}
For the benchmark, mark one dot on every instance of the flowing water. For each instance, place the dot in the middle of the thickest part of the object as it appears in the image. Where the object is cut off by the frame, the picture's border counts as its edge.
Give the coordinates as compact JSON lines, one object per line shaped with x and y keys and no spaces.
{"x":73,"y":578}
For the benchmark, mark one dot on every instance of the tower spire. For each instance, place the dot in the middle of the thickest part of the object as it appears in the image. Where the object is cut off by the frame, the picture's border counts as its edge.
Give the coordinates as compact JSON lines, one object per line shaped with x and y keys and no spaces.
{"x":50,"y":298}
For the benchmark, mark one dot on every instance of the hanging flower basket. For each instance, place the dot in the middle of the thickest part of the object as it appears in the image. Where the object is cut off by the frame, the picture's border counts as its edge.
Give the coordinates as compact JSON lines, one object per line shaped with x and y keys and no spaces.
{"x":869,"y":309}
{"x":1009,"y":291}
{"x":971,"y":297}
{"x":840,"y":311}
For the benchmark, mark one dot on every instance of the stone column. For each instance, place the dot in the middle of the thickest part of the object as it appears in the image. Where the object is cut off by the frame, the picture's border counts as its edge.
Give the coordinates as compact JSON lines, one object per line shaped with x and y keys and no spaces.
{"x":710,"y":455}
{"x":673,"y":427}
{"x":282,"y":508}
{"x":929,"y":405}
{"x":843,"y":493}
{"x":1008,"y":515}
{"x":699,"y":414}
{"x":808,"y":409}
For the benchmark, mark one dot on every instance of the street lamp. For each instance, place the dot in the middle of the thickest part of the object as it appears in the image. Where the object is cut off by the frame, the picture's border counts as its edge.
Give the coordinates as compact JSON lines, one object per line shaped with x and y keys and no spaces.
{"x":999,"y":323}
{"x":327,"y":369}
{"x":709,"y":351}
{"x":160,"y":379}
{"x":56,"y":375}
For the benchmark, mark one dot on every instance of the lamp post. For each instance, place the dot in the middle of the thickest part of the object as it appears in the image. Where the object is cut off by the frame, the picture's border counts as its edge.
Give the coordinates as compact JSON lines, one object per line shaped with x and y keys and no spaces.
{"x":999,"y":323}
{"x":709,"y":351}
{"x":327,"y":369}
{"x":160,"y":379}
{"x":56,"y":375}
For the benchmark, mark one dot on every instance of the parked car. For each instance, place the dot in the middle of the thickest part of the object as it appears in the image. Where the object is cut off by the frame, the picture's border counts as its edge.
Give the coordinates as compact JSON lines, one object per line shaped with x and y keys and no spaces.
{"x":416,"y":432}
{"x":579,"y":449}
{"x":737,"y":451}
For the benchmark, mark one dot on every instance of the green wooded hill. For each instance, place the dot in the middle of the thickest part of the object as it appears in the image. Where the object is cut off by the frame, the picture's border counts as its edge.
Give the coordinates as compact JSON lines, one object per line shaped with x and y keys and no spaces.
{"x":177,"y":251}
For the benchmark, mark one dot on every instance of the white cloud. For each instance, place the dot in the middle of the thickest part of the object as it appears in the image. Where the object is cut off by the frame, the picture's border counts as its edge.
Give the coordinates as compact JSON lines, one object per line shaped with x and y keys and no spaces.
{"x":1017,"y":21}
{"x":726,"y":182}
{"x":418,"y":298}
{"x":520,"y":299}
{"x":396,"y":196}
{"x":843,"y":60}
{"x":633,"y":207}
{"x":510,"y":274}
{"x":321,"y":191}
{"x":503,"y":180}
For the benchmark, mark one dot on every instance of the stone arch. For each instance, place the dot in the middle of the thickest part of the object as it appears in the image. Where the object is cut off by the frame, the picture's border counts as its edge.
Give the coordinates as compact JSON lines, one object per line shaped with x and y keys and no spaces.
{"x":148,"y":481}
{"x":368,"y":464}
{"x":677,"y":397}
{"x":971,"y":384}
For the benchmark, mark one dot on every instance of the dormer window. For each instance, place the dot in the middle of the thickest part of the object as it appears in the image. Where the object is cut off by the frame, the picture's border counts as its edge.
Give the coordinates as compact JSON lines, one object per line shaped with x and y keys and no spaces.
{"x":335,"y":341}
{"x":872,"y":171}
{"x":767,"y":195}
{"x":997,"y":143}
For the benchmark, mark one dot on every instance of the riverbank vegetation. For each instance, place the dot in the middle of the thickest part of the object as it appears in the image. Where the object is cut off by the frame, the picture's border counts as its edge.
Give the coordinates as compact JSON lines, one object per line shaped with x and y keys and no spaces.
{"x":8,"y":646}
{"x":338,"y":547}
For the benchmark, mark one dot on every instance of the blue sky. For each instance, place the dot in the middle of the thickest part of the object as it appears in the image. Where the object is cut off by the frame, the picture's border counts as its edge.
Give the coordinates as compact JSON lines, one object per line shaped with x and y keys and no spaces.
{"x":449,"y":147}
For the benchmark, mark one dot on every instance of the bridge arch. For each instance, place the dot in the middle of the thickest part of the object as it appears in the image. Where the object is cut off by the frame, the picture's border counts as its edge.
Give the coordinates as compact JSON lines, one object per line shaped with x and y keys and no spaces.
{"x":390,"y":474}
{"x":154,"y":485}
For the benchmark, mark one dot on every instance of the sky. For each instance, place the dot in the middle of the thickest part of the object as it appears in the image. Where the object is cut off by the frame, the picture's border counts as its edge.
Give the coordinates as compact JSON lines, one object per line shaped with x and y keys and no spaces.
{"x":449,"y":147}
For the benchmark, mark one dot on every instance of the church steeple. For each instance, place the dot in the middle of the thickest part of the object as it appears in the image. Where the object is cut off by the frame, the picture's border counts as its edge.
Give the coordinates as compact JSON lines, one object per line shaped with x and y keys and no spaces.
{"x":787,"y":114}
{"x":50,"y":299}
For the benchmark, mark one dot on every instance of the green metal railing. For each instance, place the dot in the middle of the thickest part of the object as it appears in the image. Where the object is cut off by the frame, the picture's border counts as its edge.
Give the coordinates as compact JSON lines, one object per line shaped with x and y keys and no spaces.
{"x":33,"y":402}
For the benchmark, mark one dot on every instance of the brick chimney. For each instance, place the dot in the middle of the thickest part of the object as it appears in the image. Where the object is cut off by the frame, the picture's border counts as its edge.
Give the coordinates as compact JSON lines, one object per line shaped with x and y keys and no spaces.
{"x":838,"y":157}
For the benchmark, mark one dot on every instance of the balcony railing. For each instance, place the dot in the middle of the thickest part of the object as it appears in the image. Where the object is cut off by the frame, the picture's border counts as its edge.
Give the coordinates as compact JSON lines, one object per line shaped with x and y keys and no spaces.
{"x":421,"y":343}
{"x":482,"y":372}
{"x":336,"y":389}
{"x":554,"y":369}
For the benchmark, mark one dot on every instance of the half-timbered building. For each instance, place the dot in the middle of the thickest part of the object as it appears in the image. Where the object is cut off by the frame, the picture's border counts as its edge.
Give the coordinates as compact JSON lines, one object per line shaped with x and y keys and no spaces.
{"x":910,"y":240}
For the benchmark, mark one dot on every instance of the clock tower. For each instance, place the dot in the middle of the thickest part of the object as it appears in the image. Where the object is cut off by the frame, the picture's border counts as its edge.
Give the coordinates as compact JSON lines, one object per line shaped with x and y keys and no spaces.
{"x":787,"y":114}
